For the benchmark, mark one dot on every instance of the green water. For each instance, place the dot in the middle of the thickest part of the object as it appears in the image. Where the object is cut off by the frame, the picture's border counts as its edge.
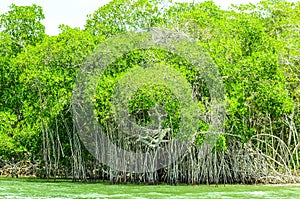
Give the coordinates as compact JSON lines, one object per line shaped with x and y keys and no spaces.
{"x":42,"y":189}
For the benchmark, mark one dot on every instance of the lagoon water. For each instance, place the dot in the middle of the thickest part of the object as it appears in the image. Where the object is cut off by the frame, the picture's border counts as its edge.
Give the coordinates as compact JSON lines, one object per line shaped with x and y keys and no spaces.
{"x":25,"y":189}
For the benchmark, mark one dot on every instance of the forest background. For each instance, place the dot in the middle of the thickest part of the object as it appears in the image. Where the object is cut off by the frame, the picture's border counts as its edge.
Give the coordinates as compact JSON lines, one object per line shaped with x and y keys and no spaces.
{"x":255,"y":48}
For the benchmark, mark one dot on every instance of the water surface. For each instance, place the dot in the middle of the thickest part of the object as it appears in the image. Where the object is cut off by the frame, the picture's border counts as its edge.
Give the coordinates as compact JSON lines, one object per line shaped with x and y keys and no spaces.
{"x":25,"y":189}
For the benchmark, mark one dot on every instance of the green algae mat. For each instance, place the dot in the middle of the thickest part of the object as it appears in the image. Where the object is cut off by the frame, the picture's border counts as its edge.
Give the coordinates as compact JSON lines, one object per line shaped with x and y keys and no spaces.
{"x":21,"y":188}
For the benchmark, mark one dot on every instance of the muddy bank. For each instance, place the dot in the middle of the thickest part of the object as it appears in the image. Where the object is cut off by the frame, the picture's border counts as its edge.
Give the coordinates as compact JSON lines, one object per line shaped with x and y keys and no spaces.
{"x":24,"y":168}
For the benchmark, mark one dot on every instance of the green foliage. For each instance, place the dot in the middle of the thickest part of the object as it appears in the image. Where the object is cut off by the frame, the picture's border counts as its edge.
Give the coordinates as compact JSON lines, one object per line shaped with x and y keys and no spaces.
{"x":42,"y":85}
{"x":7,"y":120}
{"x":248,"y":58}
{"x":220,"y":144}
{"x":5,"y":71}
{"x":124,"y":15}
{"x":23,"y":24}
{"x":149,"y":96}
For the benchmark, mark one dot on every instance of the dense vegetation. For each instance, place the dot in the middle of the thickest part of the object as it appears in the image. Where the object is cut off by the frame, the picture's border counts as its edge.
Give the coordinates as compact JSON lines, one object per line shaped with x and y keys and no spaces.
{"x":255,"y":47}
